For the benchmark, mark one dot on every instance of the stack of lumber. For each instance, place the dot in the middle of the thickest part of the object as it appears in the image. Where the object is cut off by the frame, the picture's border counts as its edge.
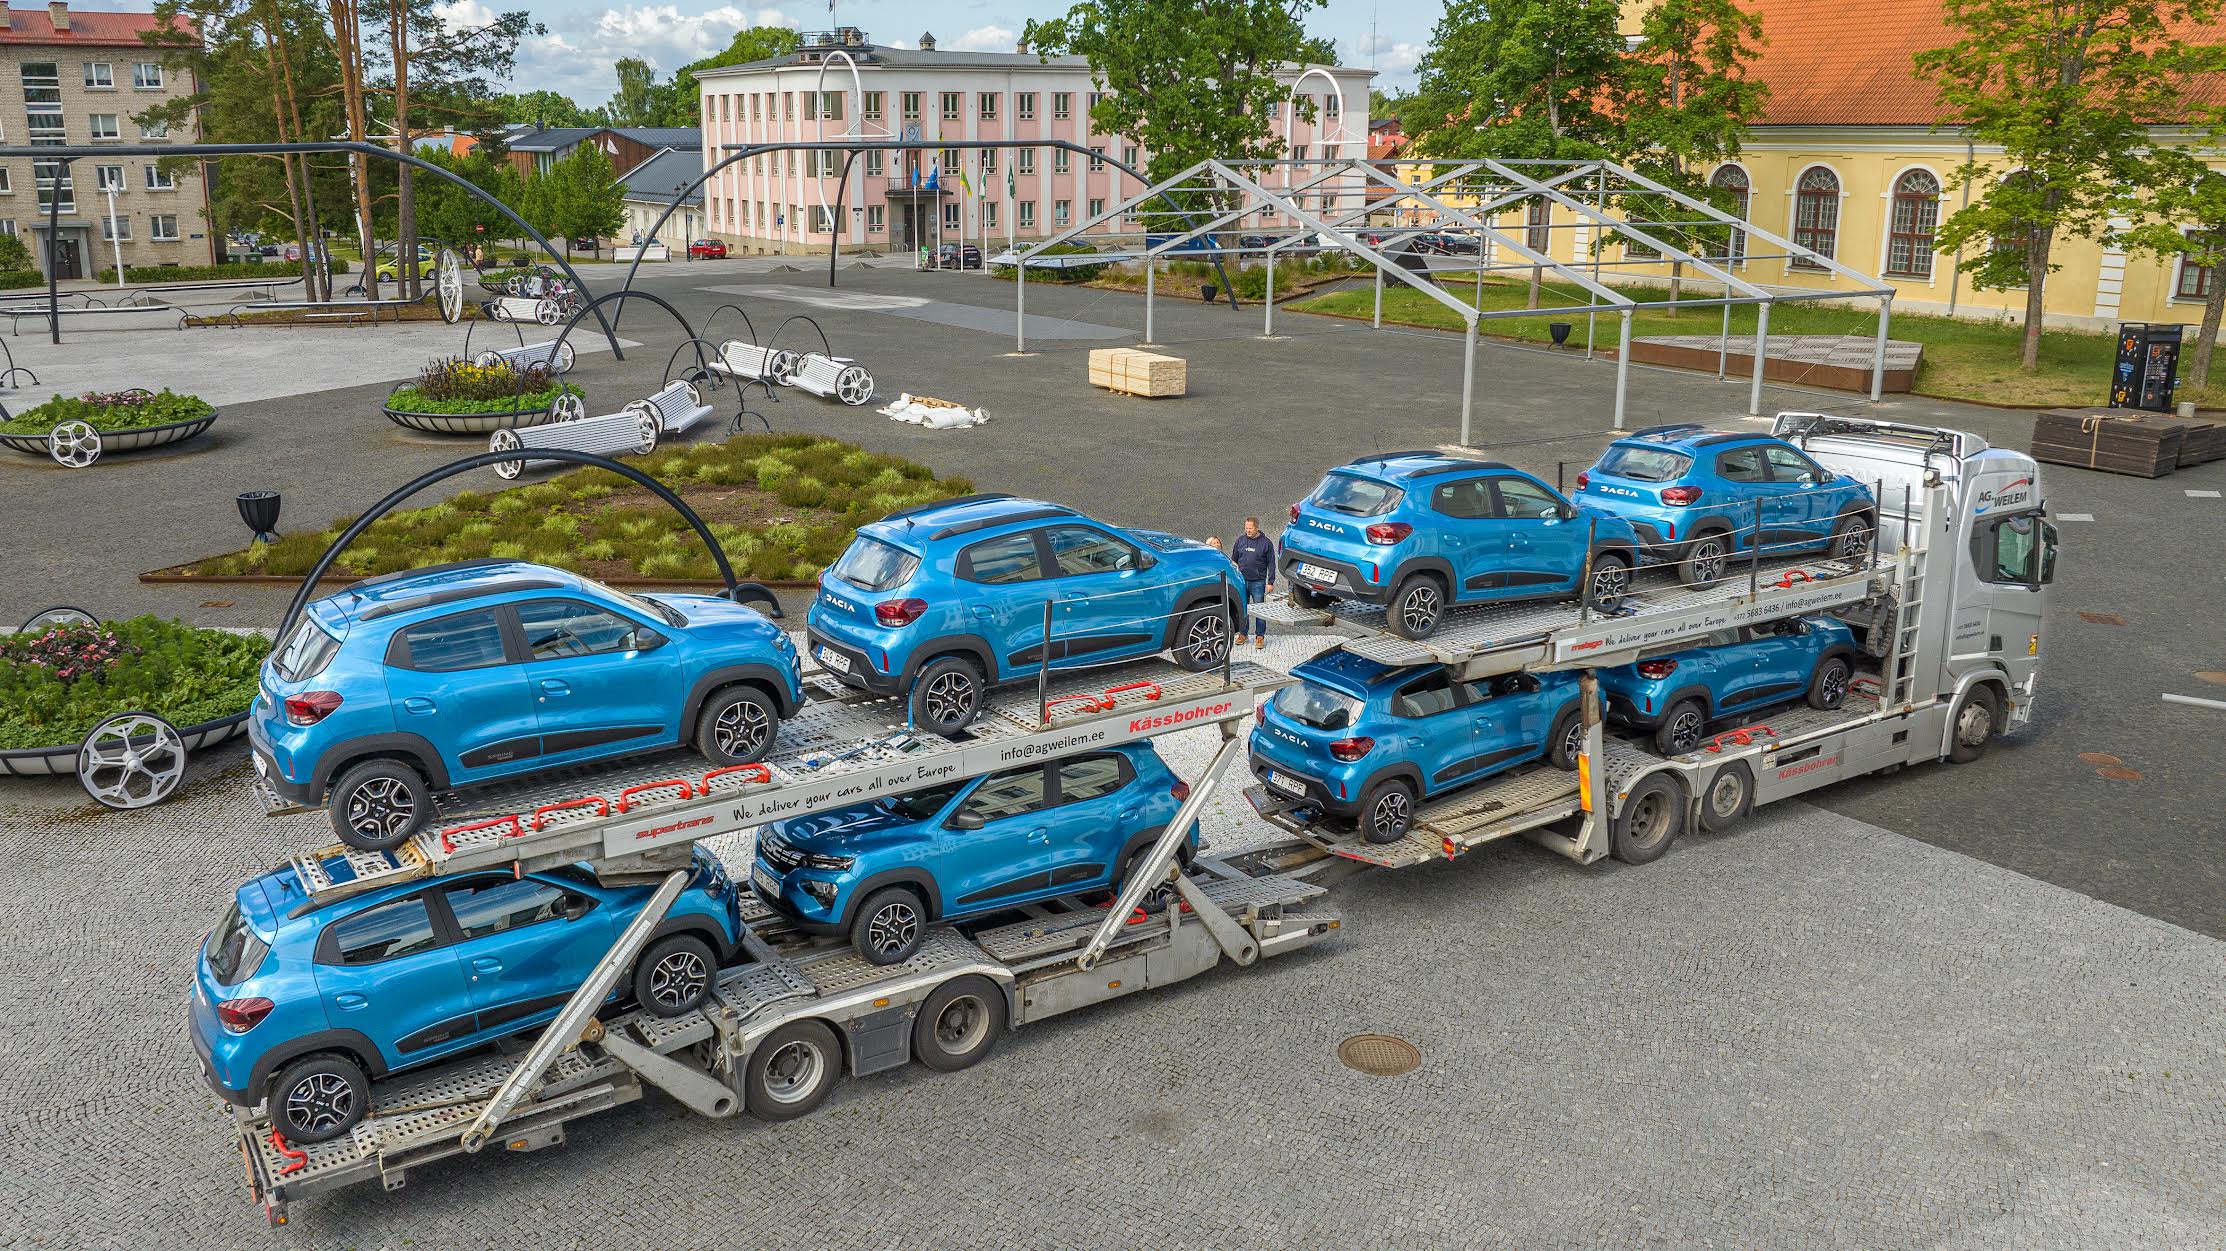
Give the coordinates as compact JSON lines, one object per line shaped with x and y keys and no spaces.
{"x":2124,"y":440}
{"x":1138,"y":372}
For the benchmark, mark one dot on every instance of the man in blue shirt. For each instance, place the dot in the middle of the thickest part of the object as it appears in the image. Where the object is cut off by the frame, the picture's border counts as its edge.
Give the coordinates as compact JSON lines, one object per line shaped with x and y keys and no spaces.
{"x":1254,"y":555}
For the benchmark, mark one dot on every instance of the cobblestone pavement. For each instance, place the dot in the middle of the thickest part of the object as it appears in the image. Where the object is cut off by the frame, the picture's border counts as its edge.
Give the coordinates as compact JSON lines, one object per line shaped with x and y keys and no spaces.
{"x":1808,"y":1032}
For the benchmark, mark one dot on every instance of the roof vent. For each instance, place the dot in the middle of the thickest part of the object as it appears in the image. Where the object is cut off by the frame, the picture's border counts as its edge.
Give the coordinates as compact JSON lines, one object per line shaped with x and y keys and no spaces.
{"x":60,"y":12}
{"x":927,"y":41}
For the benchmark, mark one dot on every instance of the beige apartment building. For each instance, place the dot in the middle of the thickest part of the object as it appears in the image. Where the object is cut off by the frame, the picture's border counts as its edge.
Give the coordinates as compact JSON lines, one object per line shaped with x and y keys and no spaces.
{"x":77,"y":78}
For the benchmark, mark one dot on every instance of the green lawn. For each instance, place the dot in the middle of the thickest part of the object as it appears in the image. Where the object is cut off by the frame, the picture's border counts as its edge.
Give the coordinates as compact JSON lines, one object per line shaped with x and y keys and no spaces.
{"x":1963,"y":359}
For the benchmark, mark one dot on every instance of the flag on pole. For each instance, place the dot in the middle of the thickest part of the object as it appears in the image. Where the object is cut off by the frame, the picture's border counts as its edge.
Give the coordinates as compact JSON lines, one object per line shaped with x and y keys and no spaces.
{"x":964,"y":185}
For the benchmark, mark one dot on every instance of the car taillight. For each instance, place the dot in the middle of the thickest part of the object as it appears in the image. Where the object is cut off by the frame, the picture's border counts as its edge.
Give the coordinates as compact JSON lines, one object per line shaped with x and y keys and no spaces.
{"x":1260,"y":713}
{"x":242,"y":1015}
{"x":1584,"y":479}
{"x":1681,"y":495}
{"x":1387,"y":533}
{"x":1180,"y":790}
{"x":899,"y":612}
{"x":1657,"y":668}
{"x":1351,"y":749}
{"x":1294,"y":512}
{"x":310,"y":707}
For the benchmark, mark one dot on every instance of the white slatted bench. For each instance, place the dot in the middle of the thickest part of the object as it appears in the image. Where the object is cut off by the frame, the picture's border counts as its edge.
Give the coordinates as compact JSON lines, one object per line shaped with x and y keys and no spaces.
{"x":547,"y":310}
{"x":751,"y":363}
{"x":674,"y":409}
{"x":628,"y":430}
{"x":550,"y":356}
{"x":836,"y":376}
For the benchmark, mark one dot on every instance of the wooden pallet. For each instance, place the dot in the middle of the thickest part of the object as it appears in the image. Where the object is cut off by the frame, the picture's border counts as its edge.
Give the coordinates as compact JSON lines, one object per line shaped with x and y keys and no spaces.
{"x":2114,"y":440}
{"x":1138,"y":372}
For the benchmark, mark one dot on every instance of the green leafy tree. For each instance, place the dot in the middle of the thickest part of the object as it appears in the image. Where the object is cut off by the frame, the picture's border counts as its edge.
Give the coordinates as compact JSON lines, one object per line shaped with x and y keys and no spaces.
{"x":1187,"y":79}
{"x":13,"y":254}
{"x":680,"y":102}
{"x":584,"y":196}
{"x":635,"y":101}
{"x":2068,"y":90}
{"x":1519,"y":78}
{"x":2182,"y":216}
{"x":541,"y":108}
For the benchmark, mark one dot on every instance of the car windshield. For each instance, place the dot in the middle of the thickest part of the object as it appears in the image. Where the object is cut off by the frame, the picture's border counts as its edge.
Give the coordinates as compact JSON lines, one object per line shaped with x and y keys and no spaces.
{"x":663,"y":612}
{"x":1317,"y":706}
{"x":1647,"y":464}
{"x":920,"y":805}
{"x":307,"y":651}
{"x":872,"y":565}
{"x":233,"y":950}
{"x":1358,"y":496}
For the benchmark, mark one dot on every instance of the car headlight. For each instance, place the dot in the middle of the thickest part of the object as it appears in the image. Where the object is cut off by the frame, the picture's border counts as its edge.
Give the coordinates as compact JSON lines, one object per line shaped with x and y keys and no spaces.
{"x":816,"y":861}
{"x":824,"y":892}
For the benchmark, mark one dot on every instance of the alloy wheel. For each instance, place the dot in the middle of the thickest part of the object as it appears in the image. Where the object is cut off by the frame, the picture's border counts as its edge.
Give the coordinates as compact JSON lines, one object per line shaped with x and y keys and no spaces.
{"x":742,"y":728}
{"x":1835,"y":684}
{"x":893,"y":928}
{"x":1572,"y":739}
{"x":1707,"y":561}
{"x":950,"y":696}
{"x":1685,"y":730}
{"x":1209,"y":639}
{"x":319,"y":1102}
{"x":1418,"y":609}
{"x":1609,"y":583}
{"x":677,"y":979}
{"x":381,"y":808}
{"x":1391,"y":813}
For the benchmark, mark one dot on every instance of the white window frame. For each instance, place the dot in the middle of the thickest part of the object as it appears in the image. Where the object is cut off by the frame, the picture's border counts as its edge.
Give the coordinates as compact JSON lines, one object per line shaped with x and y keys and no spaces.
{"x":1062,"y":214}
{"x":160,"y":179}
{"x":952,"y":106}
{"x":872,"y":106}
{"x":1027,"y":214}
{"x":154,"y":228}
{"x":1062,"y":105}
{"x":106,"y":176}
{"x":877,"y":218}
{"x":122,"y":223}
{"x":146,"y":76}
{"x":115,"y":127}
{"x":1024,"y":105}
{"x":104,"y":80}
{"x":987,"y":105}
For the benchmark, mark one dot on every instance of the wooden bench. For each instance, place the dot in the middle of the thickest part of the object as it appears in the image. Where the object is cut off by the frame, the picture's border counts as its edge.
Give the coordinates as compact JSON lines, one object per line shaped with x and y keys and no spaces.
{"x":628,"y":430}
{"x":751,"y":363}
{"x":836,"y":376}
{"x":555,"y":356}
{"x":674,"y":410}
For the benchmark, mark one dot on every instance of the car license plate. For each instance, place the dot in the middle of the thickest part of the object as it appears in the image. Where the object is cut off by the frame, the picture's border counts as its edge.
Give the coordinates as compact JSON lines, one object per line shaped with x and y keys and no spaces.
{"x":833,"y":659}
{"x":1287,"y":785}
{"x":262,"y":766}
{"x":766,"y":885}
{"x":1315,"y":572}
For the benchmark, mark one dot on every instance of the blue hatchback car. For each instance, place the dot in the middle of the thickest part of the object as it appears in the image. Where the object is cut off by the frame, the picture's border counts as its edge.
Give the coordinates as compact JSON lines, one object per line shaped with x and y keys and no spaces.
{"x":1421,"y":532}
{"x":1367,"y":742}
{"x":1735,"y":671}
{"x":882,"y":872}
{"x":1697,"y":496}
{"x":301,"y":1007}
{"x":457,"y":674}
{"x":943,"y":602}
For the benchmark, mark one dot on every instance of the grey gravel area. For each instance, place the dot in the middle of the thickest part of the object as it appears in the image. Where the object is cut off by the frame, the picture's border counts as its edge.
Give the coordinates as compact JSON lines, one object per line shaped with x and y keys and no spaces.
{"x":1808,"y":1032}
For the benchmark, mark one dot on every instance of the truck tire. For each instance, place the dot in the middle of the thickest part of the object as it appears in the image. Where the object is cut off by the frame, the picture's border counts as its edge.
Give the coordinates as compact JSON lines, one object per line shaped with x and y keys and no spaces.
{"x":1728,"y":797}
{"x":792,"y":1071}
{"x":959,"y":1024}
{"x":1973,"y":723}
{"x":1650,"y":819}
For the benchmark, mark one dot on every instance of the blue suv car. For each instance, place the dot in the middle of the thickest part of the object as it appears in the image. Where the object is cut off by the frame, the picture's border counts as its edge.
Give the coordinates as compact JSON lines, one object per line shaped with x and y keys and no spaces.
{"x":943,"y":602}
{"x":1366,"y":742}
{"x":1734,"y":671}
{"x":1698,"y":496}
{"x":300,"y":1007}
{"x":1420,"y":532}
{"x":457,"y":674}
{"x":882,"y":872}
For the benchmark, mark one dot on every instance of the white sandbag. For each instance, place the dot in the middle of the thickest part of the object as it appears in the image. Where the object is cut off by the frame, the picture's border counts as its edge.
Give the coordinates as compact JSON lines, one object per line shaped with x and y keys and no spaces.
{"x":932,"y":413}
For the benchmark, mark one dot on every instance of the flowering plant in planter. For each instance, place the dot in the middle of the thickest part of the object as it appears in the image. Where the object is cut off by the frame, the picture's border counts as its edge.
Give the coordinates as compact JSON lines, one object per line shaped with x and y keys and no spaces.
{"x":56,"y":685}
{"x":110,"y":410}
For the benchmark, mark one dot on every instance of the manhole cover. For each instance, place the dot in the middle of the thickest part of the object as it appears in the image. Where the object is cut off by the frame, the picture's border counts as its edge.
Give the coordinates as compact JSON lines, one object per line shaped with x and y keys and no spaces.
{"x":2101,"y":618}
{"x":2099,"y":758}
{"x":1379,"y":1055}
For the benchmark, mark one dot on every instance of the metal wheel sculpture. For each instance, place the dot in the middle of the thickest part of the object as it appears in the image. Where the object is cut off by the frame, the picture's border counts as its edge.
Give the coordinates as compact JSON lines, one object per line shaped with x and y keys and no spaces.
{"x":853,"y":386}
{"x":567,"y":407}
{"x":73,"y":443}
{"x":448,"y":281}
{"x":131,"y":760}
{"x":507,"y":441}
{"x":652,"y":424}
{"x":564,"y":359}
{"x":549,"y":311}
{"x":57,"y":616}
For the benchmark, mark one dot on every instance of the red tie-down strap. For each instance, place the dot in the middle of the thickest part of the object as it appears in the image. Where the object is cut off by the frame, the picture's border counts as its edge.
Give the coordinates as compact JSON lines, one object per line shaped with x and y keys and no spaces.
{"x":1740,"y":737}
{"x":601,"y":805}
{"x":748,"y":772}
{"x":299,"y":1157}
{"x":626,"y":797}
{"x":448,"y":836}
{"x":1104,"y":701}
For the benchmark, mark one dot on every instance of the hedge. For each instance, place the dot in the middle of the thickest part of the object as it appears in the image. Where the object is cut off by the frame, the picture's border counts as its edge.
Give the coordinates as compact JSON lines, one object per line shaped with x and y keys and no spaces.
{"x":14,"y":279}
{"x":214,"y":273}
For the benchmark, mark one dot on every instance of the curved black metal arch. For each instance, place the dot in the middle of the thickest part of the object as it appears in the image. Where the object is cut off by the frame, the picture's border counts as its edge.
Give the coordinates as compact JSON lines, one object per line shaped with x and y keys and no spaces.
{"x":739,"y":592}
{"x":65,"y":153}
{"x":824,"y":346}
{"x":627,"y":293}
{"x":748,"y":326}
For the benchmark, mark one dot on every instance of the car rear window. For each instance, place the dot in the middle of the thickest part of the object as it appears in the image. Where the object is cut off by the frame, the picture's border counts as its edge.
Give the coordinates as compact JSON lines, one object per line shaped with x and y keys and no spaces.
{"x":1647,"y":464}
{"x":1355,"y":495}
{"x":872,"y":565}
{"x":1317,"y":706}
{"x":307,"y":651}
{"x":233,"y":950}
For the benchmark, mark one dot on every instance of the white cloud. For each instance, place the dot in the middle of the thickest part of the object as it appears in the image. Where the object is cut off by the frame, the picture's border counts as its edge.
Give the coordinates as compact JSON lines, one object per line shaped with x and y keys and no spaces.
{"x":990,"y":38}
{"x":576,"y":55}
{"x":1388,"y":56}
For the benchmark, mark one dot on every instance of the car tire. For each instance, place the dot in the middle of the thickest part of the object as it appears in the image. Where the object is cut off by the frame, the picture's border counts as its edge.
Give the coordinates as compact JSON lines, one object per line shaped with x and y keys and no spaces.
{"x":317,"y":1098}
{"x":1154,"y":900}
{"x":889,"y":926}
{"x":1851,"y":538}
{"x":1611,"y":580}
{"x":674,"y":976}
{"x":1651,"y":818}
{"x":1828,"y":685}
{"x":1566,"y":739}
{"x":947,"y":695}
{"x":1310,"y":599}
{"x":378,"y":804}
{"x":736,"y":725}
{"x":1202,"y":638}
{"x":1705,"y":559}
{"x":959,"y":1024}
{"x":792,"y":1071}
{"x":1681,"y":727}
{"x":1973,"y":724}
{"x":1728,"y":797}
{"x":1417,"y":606}
{"x":1386,"y":811}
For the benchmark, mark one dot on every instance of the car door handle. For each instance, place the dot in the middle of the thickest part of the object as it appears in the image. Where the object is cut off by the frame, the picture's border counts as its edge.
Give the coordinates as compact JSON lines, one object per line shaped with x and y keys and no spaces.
{"x":350,"y":1000}
{"x":1452,"y":542}
{"x":1041,"y":834}
{"x":1076,"y":594}
{"x":555,"y":686}
{"x":982,"y":611}
{"x":1414,"y":740}
{"x":420,"y":705}
{"x":486,"y":964}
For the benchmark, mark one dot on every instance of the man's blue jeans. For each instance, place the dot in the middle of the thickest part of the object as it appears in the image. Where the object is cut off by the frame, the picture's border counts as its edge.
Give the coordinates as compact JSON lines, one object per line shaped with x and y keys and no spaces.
{"x":1254,"y":593}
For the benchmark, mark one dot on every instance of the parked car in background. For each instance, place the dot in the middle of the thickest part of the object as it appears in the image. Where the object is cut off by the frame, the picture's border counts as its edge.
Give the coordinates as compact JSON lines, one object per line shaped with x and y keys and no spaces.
{"x":942,"y":602}
{"x":1423,"y":532}
{"x":1698,"y":496}
{"x":707,"y":250}
{"x":1739,"y":670}
{"x":1367,"y":742}
{"x":455,"y":674}
{"x":390,"y":265}
{"x":956,"y":256}
{"x":300,"y":1007}
{"x":882,"y":872}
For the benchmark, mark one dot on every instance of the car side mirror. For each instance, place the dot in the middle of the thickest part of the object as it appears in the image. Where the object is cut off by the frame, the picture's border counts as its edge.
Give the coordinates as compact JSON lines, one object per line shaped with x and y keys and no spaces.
{"x":574,"y":907}
{"x":964,"y":821}
{"x":1568,"y":512}
{"x":644,"y":639}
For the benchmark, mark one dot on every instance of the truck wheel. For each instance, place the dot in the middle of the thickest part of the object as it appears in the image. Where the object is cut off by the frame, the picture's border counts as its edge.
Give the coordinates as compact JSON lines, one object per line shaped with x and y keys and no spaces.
{"x":1651,"y":818}
{"x":1566,"y":740}
{"x":736,"y":726}
{"x":1828,"y":685}
{"x":959,"y":1024}
{"x":792,"y":1071}
{"x":947,"y":695}
{"x":1681,"y":728}
{"x":1729,"y":797}
{"x":1417,"y":605}
{"x":889,"y":926}
{"x":674,"y":976}
{"x":318,"y":1098}
{"x":379,"y":804}
{"x":1973,"y":723}
{"x":1704,"y":559}
{"x":1386,"y":811}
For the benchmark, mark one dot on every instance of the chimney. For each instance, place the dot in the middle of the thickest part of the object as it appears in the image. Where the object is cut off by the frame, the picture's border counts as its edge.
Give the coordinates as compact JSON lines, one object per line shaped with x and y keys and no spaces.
{"x":7,"y":19}
{"x":927,"y":39}
{"x":59,"y":10}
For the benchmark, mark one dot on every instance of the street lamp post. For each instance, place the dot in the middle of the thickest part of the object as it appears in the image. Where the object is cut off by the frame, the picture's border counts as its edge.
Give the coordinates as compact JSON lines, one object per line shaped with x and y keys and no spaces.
{"x":115,"y":241}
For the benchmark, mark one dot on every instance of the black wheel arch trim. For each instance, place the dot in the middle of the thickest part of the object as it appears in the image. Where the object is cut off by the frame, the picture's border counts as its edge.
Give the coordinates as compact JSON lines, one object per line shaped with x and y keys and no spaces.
{"x":894,"y":877}
{"x":353,"y":1045}
{"x":972,"y":646}
{"x":755,"y":674}
{"x":413,"y":748}
{"x":702,"y":927}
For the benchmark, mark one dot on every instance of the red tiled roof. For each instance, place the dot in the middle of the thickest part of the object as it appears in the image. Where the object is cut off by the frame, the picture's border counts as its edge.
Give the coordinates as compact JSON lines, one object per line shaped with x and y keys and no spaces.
{"x":87,"y":29}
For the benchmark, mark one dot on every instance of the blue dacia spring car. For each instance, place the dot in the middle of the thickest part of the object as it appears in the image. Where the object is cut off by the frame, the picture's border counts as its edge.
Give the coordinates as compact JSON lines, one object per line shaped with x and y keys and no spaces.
{"x":943,"y":602}
{"x":456,"y":674}
{"x":1738,"y":670}
{"x":1697,"y":496}
{"x":299,"y":1006}
{"x":1367,"y":742}
{"x":882,"y":872}
{"x":1421,"y":532}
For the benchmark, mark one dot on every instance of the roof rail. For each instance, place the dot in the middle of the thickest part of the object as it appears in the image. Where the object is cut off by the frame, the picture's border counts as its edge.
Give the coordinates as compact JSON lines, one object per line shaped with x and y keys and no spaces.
{"x":1461,"y":466}
{"x":1658,"y":432}
{"x":984,"y":523}
{"x":1381,"y":456}
{"x":1798,"y":427}
{"x":904,"y":514}
{"x":452,"y":566}
{"x":455,"y":593}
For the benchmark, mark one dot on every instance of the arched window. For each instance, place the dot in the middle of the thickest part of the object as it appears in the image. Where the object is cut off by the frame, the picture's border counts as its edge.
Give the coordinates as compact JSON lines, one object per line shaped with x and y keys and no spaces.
{"x":1916,"y":213}
{"x":1732,"y":181}
{"x":1816,"y":214}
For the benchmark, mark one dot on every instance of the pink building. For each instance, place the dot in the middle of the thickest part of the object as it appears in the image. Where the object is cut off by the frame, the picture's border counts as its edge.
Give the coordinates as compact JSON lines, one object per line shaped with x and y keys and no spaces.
{"x":784,"y":201}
